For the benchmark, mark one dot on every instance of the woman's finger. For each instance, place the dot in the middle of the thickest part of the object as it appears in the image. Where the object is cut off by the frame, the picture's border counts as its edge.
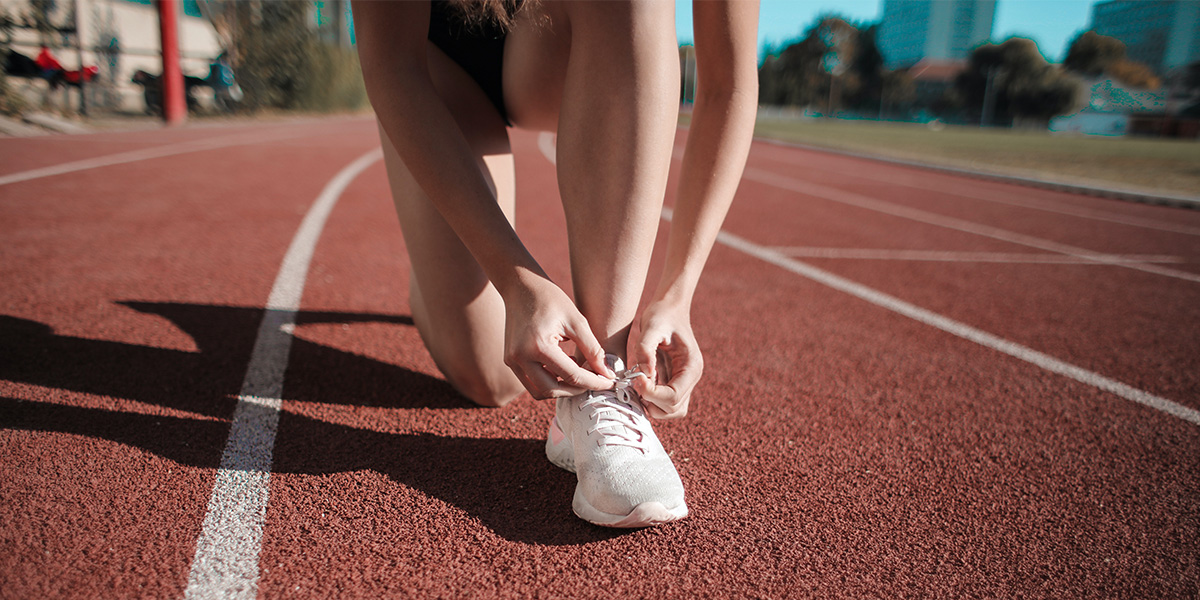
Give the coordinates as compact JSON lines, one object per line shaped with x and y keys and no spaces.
{"x":645,"y":354}
{"x":542,"y":384}
{"x":574,"y":376}
{"x":591,"y":350}
{"x":675,"y":406}
{"x":658,"y":395}
{"x":669,"y":400}
{"x":535,"y":390}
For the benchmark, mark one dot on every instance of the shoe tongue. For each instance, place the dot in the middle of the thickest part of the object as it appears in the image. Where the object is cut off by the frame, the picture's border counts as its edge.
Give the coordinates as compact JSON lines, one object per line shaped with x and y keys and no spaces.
{"x":613,"y":397}
{"x":620,"y":419}
{"x":614,"y":362}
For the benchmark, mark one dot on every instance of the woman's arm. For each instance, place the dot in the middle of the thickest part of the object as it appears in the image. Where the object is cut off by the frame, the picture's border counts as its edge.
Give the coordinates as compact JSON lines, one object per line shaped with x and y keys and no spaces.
{"x":718,"y":142}
{"x":392,"y":42}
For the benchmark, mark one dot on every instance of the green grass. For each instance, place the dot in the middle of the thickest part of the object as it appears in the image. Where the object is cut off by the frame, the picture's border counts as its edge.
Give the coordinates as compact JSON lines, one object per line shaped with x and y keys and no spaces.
{"x":1171,"y":166}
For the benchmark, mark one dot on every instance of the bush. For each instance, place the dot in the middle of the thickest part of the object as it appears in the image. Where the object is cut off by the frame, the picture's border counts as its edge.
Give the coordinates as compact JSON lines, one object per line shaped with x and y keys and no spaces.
{"x":339,"y":83}
{"x":282,"y":64}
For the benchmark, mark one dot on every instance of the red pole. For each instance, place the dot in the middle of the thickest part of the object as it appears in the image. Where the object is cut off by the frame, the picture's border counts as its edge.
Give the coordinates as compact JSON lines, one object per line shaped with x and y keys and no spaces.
{"x":173,"y":102}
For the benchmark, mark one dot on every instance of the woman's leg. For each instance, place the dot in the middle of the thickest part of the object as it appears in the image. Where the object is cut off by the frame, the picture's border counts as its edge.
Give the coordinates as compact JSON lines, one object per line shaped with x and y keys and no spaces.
{"x":614,"y":68}
{"x":458,"y":312}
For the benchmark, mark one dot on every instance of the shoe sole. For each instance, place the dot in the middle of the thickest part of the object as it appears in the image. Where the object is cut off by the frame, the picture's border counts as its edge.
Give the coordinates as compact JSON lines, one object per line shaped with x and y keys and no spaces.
{"x":646,"y":514}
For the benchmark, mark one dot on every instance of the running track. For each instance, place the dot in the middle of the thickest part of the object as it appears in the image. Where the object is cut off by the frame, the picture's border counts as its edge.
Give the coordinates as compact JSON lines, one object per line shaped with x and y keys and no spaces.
{"x":917,"y":385}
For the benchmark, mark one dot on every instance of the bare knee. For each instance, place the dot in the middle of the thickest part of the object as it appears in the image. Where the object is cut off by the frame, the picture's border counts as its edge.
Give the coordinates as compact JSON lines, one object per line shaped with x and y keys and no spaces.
{"x":493,"y":387}
{"x":462,"y":342}
{"x":487,"y":391}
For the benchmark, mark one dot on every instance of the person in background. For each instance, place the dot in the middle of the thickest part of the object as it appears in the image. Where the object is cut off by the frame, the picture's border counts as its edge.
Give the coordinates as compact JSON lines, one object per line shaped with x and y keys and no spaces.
{"x":226,"y":92}
{"x":445,"y":80}
{"x":51,"y":68}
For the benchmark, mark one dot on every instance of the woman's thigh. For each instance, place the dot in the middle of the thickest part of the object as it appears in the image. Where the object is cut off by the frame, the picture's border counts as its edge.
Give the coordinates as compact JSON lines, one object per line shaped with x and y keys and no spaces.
{"x":536,"y":52}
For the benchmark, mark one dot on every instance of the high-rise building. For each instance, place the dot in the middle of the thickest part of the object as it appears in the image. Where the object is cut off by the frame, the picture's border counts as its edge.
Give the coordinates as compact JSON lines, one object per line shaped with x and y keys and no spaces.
{"x":942,"y":30}
{"x":1164,"y":34}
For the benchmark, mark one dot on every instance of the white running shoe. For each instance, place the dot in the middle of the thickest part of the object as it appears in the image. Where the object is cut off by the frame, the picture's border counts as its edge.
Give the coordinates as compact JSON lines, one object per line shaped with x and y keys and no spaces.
{"x":626,"y":478}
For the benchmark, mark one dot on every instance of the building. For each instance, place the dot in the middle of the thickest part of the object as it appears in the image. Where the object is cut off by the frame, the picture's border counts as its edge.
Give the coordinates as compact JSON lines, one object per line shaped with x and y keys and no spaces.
{"x":120,"y":37}
{"x":1163,"y":34}
{"x":1110,"y":109}
{"x":940,"y":30}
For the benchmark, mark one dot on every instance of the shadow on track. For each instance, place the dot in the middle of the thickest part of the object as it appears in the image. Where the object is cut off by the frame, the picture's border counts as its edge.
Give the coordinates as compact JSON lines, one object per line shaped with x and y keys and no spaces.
{"x":506,"y":484}
{"x":207,"y":382}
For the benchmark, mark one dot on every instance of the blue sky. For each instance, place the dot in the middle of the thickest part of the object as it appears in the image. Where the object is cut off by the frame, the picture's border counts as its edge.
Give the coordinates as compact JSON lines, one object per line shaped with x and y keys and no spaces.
{"x":1051,"y":23}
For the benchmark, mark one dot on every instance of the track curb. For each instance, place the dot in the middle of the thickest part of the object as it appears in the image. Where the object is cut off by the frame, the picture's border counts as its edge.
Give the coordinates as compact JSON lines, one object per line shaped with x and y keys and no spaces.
{"x":1144,"y":197}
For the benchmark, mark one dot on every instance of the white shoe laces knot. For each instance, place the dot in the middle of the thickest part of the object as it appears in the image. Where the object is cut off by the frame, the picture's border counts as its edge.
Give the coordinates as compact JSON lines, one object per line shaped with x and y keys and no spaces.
{"x":617,"y":415}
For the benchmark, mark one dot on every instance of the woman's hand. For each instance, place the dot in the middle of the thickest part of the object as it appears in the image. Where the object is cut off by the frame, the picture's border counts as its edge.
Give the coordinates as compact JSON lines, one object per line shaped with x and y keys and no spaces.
{"x":538,"y":318}
{"x":666,"y":333}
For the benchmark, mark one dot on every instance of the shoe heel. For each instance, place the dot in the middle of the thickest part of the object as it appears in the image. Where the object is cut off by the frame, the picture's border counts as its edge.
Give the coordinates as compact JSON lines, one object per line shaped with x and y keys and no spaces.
{"x":558,"y":448}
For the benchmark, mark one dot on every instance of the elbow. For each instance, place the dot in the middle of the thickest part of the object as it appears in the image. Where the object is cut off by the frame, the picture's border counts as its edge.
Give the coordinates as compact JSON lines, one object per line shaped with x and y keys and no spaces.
{"x":391,"y":83}
{"x":735,"y":83}
{"x":732,"y":94}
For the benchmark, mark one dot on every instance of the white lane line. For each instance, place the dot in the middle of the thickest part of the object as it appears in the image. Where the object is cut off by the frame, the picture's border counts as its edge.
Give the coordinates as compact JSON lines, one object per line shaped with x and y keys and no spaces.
{"x":921,"y":216}
{"x":953,"y":327}
{"x":146,"y":154}
{"x":948,"y":325}
{"x":226,"y":561}
{"x":972,"y":257}
{"x":911,"y":181}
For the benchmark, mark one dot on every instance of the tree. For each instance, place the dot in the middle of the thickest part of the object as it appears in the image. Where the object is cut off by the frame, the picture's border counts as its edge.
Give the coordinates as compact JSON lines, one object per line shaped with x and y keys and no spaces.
{"x":836,"y":64}
{"x":841,"y":41}
{"x":1013,"y":81}
{"x":793,"y":78}
{"x":1191,"y":78}
{"x":274,"y":47}
{"x":1042,"y":96}
{"x":1093,"y":55}
{"x":279,"y":60}
{"x":897,"y":91}
{"x":222,"y":15}
{"x":868,"y":69}
{"x":1134,"y":74}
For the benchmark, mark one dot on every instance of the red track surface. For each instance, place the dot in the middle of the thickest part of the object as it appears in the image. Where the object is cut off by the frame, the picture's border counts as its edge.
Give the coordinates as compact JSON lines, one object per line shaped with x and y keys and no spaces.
{"x":836,"y":449}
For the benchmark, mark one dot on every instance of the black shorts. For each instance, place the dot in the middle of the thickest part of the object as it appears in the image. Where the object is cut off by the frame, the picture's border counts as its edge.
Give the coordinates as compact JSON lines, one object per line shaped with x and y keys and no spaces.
{"x":478,"y":50}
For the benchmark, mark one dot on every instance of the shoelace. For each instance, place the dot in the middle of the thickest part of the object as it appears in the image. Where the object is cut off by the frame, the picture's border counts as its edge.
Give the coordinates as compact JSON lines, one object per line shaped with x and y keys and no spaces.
{"x":616,"y":418}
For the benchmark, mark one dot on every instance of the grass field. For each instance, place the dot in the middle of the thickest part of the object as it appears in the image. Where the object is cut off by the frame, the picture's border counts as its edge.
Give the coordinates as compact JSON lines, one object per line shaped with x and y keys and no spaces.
{"x":1154,"y":165}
